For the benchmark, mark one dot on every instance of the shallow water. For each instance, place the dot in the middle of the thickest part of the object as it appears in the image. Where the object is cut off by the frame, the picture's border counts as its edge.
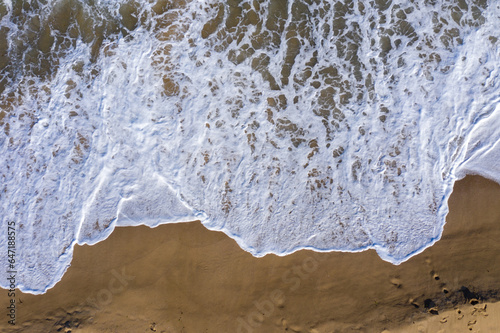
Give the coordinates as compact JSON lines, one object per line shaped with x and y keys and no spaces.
{"x":332,"y":125}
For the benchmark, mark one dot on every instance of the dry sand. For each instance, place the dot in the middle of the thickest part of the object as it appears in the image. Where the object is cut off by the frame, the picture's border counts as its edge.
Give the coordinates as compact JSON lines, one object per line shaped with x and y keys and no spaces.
{"x":185,"y":278}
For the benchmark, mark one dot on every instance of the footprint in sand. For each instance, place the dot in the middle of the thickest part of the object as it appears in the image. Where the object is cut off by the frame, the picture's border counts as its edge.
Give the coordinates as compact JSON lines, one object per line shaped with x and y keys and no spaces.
{"x":471,"y":323}
{"x":474,"y":301}
{"x":481,"y":309}
{"x":442,"y":285}
{"x":460,"y":314}
{"x":396,"y":282}
{"x":412,"y":302}
{"x":434,"y":311}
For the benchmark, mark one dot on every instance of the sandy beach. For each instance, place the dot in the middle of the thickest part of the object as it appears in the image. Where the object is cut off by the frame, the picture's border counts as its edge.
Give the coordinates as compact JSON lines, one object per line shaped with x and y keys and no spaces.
{"x":185,"y":278}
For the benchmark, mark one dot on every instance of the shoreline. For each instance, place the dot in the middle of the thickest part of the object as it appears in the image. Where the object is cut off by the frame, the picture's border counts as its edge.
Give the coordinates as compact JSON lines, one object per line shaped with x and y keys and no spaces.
{"x":185,"y":278}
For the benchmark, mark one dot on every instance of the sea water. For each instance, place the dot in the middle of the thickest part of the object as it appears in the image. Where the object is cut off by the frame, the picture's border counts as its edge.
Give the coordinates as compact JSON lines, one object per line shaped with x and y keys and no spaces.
{"x":318,"y":124}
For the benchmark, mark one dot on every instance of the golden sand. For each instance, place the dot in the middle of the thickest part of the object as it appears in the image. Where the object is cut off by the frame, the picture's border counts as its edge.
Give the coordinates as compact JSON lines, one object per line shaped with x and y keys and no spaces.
{"x":185,"y":278}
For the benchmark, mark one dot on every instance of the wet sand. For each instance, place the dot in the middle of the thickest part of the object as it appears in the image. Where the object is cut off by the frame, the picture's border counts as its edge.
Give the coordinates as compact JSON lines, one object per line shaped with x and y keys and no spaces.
{"x":185,"y":278}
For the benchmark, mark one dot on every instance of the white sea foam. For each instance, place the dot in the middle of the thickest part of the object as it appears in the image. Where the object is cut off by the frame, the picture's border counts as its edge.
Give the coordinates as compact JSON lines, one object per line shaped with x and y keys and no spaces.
{"x":175,"y":125}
